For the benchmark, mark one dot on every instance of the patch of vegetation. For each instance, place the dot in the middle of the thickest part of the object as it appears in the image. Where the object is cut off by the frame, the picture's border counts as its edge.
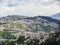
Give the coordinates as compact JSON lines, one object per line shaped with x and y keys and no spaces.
{"x":10,"y":43}
{"x":20,"y":26}
{"x":30,"y":26}
{"x":7,"y":35}
{"x":1,"y":33}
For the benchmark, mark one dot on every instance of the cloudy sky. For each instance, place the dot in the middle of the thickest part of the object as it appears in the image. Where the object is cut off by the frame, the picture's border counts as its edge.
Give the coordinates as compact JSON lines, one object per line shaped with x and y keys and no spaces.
{"x":29,"y":7}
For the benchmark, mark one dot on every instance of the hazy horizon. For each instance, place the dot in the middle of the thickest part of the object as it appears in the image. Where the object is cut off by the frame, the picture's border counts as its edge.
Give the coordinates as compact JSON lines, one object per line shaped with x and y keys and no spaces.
{"x":29,"y":7}
{"x":27,"y":15}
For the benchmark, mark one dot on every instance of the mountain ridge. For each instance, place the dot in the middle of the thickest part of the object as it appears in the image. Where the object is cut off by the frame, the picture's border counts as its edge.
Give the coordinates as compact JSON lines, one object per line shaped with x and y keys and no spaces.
{"x":56,"y":16}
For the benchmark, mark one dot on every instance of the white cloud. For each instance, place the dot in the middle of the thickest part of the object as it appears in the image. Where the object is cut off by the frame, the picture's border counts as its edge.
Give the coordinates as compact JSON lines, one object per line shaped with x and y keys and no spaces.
{"x":29,"y":7}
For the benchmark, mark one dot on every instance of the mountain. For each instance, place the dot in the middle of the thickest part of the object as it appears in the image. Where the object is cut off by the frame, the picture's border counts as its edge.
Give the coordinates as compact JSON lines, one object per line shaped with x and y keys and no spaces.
{"x":56,"y":16}
{"x":37,"y":23}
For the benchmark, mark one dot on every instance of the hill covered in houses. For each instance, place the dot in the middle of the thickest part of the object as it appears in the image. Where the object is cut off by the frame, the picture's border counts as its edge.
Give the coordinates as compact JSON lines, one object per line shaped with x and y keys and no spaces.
{"x":23,"y":30}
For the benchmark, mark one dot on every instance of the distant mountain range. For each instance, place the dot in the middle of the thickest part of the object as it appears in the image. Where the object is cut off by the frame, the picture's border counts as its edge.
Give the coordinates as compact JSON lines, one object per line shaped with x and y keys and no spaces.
{"x":56,"y":16}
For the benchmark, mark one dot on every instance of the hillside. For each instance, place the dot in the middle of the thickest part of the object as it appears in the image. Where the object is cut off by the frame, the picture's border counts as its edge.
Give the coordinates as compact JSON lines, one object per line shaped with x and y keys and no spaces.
{"x":37,"y":23}
{"x":28,"y":30}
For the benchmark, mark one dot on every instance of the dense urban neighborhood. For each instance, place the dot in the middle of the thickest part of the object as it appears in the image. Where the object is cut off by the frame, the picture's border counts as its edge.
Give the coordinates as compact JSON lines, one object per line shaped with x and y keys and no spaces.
{"x":23,"y":30}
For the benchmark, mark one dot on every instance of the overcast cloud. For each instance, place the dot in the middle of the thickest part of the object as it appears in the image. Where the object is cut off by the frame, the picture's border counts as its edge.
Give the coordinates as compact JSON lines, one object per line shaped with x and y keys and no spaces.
{"x":29,"y":7}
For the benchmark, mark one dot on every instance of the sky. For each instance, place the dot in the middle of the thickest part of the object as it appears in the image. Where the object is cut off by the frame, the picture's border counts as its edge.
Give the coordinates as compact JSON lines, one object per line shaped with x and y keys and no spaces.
{"x":29,"y":7}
